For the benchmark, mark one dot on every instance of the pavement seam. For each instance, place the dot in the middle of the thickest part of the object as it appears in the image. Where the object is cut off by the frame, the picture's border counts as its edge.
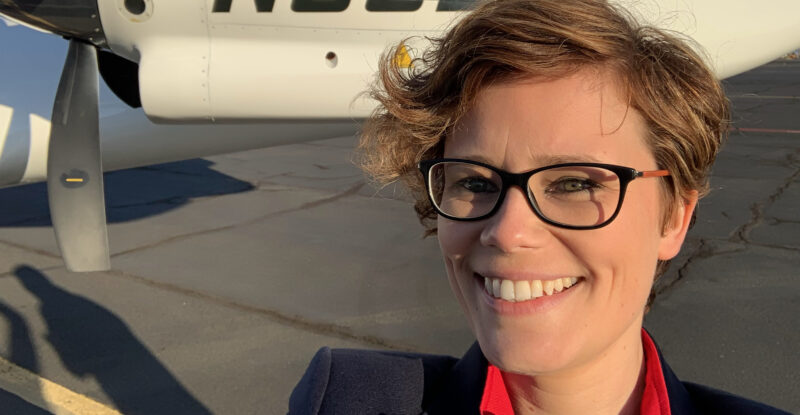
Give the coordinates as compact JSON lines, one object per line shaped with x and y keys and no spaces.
{"x":176,"y":172}
{"x":352,"y":190}
{"x":12,"y":273}
{"x":327,"y":329}
{"x":294,"y":321}
{"x":30,"y":249}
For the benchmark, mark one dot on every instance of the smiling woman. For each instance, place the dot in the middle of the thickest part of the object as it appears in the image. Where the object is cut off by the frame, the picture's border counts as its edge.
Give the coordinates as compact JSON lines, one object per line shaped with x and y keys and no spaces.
{"x":558,"y":151}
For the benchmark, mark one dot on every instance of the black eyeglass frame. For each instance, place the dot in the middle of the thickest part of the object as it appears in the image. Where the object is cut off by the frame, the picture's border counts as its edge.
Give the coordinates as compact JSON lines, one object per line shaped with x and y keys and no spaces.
{"x":625,"y":175}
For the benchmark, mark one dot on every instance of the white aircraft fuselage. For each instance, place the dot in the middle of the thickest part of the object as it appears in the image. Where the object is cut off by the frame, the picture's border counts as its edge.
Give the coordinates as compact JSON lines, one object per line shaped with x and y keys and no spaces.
{"x":217,"y":76}
{"x":291,"y":70}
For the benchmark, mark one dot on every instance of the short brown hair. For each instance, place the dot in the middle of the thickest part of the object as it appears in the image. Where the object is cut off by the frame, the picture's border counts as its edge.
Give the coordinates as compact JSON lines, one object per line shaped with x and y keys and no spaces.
{"x":683,"y":105}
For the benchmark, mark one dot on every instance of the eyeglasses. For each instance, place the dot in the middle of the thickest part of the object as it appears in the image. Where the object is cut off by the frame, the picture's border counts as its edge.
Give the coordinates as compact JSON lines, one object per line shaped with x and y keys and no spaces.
{"x":567,"y":195}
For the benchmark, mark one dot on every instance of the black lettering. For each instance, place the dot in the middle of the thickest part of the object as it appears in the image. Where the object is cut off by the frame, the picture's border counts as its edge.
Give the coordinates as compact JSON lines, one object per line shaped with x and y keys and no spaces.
{"x":264,"y":5}
{"x":393,"y":5}
{"x":320,"y":5}
{"x":221,"y":6}
{"x":455,"y":5}
{"x":224,"y":6}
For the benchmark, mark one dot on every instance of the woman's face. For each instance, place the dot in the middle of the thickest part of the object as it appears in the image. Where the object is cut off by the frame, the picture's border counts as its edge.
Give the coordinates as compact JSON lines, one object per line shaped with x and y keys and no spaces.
{"x":522,"y":126}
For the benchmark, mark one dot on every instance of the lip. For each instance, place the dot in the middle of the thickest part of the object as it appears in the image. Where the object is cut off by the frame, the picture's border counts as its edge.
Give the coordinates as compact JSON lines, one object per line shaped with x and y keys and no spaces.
{"x":538,"y":305}
{"x":519,"y":276}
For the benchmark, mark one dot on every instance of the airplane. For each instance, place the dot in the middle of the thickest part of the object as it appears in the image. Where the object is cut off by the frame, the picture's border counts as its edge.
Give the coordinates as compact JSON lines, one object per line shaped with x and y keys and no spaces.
{"x":218,"y":76}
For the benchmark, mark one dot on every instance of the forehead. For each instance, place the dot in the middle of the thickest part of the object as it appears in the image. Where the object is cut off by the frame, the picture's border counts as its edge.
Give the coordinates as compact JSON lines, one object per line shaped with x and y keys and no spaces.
{"x":527,"y":124}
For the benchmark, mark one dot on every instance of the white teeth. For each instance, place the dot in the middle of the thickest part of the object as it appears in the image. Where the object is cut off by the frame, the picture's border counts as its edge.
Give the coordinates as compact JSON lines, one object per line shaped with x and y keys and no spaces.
{"x":547,"y":286}
{"x":514,"y":291}
{"x":507,"y":290}
{"x":522,"y":290}
{"x":558,"y":285}
{"x":536,"y":289}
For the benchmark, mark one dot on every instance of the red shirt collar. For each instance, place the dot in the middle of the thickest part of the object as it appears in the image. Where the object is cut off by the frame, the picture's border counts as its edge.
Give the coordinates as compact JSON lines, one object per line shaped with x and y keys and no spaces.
{"x":655,"y":401}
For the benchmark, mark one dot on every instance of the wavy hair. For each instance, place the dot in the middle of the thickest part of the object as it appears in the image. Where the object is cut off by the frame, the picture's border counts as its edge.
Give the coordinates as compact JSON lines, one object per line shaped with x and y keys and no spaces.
{"x":664,"y":79}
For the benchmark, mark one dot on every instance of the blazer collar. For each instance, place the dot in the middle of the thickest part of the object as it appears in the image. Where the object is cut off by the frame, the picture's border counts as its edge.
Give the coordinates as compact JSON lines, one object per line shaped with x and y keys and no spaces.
{"x":461,"y":390}
{"x":679,"y":399}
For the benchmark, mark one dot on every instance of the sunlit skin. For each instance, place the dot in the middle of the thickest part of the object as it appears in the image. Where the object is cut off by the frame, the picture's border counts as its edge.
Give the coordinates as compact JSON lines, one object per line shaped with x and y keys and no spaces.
{"x":584,"y":354}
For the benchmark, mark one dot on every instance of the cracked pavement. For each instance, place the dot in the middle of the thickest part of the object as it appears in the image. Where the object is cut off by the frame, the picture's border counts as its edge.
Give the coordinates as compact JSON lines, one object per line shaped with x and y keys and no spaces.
{"x":726,"y":313}
{"x":229,"y":272}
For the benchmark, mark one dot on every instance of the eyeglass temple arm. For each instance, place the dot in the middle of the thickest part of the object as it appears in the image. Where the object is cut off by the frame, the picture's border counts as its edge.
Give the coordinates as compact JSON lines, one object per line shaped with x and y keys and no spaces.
{"x":652,"y":173}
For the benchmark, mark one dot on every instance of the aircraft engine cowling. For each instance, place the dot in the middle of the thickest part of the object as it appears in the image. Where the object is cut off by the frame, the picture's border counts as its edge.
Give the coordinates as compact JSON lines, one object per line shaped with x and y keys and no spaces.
{"x":196,"y":65}
{"x":243,"y":60}
{"x":69,"y":18}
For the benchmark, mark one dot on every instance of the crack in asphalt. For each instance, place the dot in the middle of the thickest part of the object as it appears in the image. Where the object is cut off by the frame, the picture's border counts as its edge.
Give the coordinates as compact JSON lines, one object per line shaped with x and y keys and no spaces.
{"x":350,"y":191}
{"x":775,"y":246}
{"x":704,"y":250}
{"x":741,"y":236}
{"x":779,"y":221}
{"x":757,"y":210}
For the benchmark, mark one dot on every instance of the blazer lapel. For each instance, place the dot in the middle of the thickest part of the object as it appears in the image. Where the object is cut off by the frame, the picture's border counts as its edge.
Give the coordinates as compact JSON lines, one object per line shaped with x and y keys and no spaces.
{"x":461,"y":390}
{"x":679,"y":400}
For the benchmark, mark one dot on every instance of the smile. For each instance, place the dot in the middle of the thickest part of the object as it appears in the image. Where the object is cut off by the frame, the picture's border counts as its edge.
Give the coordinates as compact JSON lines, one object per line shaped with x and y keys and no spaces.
{"x":525,"y":290}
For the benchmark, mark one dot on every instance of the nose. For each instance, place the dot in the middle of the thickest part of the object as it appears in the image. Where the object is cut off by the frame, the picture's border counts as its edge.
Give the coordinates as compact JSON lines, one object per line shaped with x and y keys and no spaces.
{"x":515,"y":225}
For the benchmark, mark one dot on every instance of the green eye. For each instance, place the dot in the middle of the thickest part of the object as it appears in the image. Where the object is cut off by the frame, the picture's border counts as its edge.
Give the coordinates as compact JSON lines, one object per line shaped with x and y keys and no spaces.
{"x":477,"y":185}
{"x":571,"y":185}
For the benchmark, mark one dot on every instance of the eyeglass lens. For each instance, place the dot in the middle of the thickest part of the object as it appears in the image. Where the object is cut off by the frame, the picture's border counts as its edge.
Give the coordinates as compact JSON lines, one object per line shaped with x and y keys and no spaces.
{"x":571,"y":195}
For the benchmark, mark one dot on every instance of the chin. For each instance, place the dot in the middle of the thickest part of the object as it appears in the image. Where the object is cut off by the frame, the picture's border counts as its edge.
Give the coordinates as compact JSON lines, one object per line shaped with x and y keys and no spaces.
{"x":527,"y":353}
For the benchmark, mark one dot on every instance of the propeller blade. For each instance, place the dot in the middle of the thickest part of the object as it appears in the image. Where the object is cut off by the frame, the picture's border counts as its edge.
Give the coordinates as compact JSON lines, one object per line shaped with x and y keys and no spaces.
{"x":74,"y":167}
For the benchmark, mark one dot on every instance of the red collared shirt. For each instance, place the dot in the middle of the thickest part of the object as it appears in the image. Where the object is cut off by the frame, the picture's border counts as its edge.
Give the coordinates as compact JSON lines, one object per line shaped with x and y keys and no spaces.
{"x":495,"y":400}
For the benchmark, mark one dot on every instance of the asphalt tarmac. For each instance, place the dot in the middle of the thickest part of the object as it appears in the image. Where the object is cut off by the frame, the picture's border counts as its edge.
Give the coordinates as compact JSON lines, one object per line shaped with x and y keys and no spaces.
{"x":229,"y":272}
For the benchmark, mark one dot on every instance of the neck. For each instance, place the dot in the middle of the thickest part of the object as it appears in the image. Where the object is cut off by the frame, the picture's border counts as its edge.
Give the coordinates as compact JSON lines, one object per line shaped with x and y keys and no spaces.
{"x":611,"y":384}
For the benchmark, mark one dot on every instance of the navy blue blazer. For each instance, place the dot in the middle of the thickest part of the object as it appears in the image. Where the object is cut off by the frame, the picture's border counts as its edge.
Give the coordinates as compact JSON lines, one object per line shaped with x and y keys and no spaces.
{"x":347,"y":381}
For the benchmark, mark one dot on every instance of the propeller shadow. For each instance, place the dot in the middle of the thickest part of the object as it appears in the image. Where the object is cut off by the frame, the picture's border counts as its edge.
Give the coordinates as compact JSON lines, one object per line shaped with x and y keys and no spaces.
{"x":130,"y":194}
{"x":92,"y":341}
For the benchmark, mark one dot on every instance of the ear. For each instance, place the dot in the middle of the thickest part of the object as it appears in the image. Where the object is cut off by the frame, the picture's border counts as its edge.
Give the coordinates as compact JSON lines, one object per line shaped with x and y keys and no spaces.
{"x":675,"y":233}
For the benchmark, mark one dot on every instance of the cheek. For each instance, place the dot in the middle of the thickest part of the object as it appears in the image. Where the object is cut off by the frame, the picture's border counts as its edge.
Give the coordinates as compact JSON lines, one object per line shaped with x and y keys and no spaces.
{"x":456,"y":240}
{"x":454,"y":248}
{"x":623,"y":255}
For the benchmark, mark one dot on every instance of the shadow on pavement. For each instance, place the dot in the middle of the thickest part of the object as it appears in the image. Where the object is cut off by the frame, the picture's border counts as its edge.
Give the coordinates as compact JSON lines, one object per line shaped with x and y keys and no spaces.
{"x":91,"y":341}
{"x":13,"y":404}
{"x":21,"y":346}
{"x":130,"y":194}
{"x":22,"y":354}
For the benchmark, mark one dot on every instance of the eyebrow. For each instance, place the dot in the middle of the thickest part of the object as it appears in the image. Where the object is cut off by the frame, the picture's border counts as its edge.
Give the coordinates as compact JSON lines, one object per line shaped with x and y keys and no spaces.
{"x":547,"y":160}
{"x":542,"y":160}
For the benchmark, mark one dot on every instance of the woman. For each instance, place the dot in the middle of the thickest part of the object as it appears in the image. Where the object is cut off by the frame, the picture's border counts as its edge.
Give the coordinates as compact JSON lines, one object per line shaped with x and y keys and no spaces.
{"x":558,"y":151}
